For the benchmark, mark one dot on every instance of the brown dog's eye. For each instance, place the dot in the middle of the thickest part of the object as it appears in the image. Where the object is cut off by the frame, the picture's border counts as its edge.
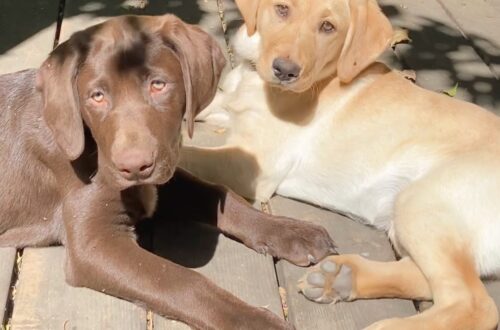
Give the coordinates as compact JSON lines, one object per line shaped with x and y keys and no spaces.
{"x":327,"y":27}
{"x":158,"y":85}
{"x":281,"y":10}
{"x":97,"y":96}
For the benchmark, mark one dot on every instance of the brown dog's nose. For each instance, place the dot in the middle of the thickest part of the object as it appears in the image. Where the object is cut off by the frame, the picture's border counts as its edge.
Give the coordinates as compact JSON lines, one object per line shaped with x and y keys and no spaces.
{"x":135,"y":164}
{"x":285,"y":70}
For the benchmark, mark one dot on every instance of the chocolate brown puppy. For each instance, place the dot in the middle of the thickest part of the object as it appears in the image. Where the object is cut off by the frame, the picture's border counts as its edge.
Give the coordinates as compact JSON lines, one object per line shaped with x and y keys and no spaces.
{"x":84,"y":141}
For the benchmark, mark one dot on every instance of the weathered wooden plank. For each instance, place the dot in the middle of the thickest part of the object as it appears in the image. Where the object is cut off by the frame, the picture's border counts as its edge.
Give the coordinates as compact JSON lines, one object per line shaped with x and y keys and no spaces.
{"x":350,"y":237}
{"x":45,"y":301}
{"x":7,"y":262}
{"x":440,"y":54}
{"x":229,"y":264}
{"x":479,"y":21}
{"x":493,"y":287}
{"x":27,"y":33}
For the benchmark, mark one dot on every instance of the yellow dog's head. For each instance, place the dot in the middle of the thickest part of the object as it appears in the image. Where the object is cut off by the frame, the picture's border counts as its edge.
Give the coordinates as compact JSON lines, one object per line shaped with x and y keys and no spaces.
{"x":305,"y":41}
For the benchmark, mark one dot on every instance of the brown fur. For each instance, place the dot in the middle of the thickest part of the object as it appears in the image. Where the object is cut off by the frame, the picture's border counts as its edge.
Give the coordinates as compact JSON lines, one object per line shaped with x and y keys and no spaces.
{"x":72,"y":167}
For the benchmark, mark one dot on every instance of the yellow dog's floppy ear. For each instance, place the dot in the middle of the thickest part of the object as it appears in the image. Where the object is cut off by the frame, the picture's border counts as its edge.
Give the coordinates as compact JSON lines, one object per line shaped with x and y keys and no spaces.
{"x":248,"y":9}
{"x":369,"y":34}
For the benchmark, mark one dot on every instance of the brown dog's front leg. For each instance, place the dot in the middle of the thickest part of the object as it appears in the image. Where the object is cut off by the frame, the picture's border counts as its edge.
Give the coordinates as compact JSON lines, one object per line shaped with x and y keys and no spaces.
{"x":297,"y":241}
{"x":102,"y":254}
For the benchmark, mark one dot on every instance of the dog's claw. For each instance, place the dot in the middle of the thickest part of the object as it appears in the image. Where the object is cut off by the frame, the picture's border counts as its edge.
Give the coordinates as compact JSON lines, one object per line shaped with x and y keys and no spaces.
{"x":298,"y":242}
{"x":262,"y":250}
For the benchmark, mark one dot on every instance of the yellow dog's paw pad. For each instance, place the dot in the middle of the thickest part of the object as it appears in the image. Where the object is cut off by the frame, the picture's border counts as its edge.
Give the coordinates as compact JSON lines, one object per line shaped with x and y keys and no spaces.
{"x":327,"y":282}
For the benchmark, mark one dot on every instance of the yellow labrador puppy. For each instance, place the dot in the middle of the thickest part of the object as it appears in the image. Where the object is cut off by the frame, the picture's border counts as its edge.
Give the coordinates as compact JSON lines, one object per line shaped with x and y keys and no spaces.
{"x":314,"y":118}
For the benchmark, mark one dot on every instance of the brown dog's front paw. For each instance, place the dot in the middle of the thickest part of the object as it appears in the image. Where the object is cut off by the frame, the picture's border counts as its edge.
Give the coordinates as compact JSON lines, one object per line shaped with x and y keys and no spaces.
{"x":298,"y":242}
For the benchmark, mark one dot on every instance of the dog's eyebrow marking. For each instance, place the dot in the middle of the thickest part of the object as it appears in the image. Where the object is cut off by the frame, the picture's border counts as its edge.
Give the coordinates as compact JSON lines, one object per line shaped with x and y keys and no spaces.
{"x":133,"y":55}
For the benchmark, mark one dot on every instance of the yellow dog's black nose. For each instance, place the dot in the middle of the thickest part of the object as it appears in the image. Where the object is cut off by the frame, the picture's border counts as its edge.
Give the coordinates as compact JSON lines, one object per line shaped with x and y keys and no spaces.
{"x":286,"y":70}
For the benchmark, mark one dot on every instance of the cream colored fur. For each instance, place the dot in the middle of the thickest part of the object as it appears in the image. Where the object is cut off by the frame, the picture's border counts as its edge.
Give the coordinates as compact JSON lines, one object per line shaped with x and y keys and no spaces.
{"x":420,"y":165}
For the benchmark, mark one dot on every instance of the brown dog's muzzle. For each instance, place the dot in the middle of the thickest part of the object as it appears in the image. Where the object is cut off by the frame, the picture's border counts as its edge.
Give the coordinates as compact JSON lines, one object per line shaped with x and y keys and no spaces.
{"x":135,"y":164}
{"x":135,"y":153}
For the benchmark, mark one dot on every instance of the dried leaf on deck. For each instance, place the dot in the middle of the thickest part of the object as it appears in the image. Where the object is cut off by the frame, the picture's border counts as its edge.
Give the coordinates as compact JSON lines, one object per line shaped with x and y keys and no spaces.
{"x":400,"y":36}
{"x":220,"y":130}
{"x":282,"y":292}
{"x":134,"y":4}
{"x":452,"y":92}
{"x":408,"y":74}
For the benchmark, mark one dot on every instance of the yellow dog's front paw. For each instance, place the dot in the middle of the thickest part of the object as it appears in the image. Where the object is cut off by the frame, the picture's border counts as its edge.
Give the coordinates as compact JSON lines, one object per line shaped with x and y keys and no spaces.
{"x":327,"y":282}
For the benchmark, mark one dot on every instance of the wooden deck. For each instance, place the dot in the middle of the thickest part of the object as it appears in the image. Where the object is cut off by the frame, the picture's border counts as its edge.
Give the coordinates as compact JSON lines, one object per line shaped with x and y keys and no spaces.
{"x":454,"y":41}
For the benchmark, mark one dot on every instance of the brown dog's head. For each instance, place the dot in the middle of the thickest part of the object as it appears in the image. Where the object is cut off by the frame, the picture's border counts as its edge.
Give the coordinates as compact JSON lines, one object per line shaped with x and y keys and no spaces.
{"x":305,"y":41}
{"x":130,"y":80}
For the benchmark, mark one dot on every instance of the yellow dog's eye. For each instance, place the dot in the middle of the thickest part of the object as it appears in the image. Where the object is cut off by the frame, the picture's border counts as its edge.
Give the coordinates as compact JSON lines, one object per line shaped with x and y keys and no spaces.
{"x":281,"y":10}
{"x":327,"y":27}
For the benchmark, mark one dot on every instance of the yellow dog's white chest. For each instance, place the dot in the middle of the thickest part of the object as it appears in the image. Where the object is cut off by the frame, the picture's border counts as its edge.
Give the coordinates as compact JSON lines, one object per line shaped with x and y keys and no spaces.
{"x":357,"y":174}
{"x":313,"y":161}
{"x":351,"y":188}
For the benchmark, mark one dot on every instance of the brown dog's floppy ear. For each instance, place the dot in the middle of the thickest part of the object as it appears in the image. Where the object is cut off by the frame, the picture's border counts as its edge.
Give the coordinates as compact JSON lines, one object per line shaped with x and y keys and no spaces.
{"x":201,"y":60}
{"x":249,"y":9}
{"x":56,"y":79}
{"x":369,"y":34}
